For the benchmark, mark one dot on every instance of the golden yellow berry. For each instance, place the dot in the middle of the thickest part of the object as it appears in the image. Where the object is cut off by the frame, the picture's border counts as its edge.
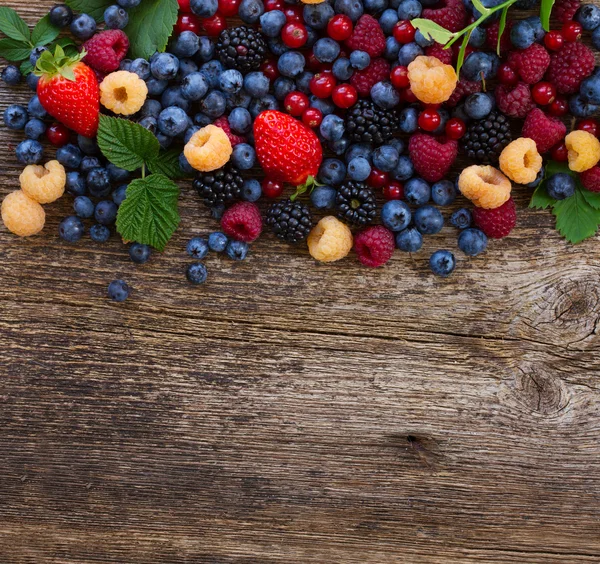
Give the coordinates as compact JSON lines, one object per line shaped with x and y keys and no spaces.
{"x":22,"y":215}
{"x":431,"y":81}
{"x":330,"y":240}
{"x":584,"y":150}
{"x":123,"y":93}
{"x":485,"y":186}
{"x":520,"y":160}
{"x":44,"y":184}
{"x":208,"y":149}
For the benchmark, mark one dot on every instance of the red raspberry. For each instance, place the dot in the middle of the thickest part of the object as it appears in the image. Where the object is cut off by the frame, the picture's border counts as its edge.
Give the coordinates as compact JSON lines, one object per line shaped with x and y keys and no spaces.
{"x":491,"y":37}
{"x":546,"y":131}
{"x":431,"y":156}
{"x":437,"y":50}
{"x":106,"y":50}
{"x":564,"y":10}
{"x":591,"y":179}
{"x":514,"y":101}
{"x":367,"y":36}
{"x":569,"y":66}
{"x":374,"y":246}
{"x":530,"y":63}
{"x":496,"y":223}
{"x":462,"y":90}
{"x":234,"y":139}
{"x":364,"y":80}
{"x":452,"y":14}
{"x":242,"y":222}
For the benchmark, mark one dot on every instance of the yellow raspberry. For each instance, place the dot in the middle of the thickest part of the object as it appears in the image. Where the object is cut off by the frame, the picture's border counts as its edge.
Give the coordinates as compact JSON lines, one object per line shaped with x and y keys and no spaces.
{"x":520,"y":160}
{"x":330,"y":240}
{"x":123,"y":93}
{"x":208,"y":149}
{"x":485,"y":186}
{"x":431,"y":81}
{"x":44,"y":184}
{"x":584,"y":150}
{"x":22,"y":215}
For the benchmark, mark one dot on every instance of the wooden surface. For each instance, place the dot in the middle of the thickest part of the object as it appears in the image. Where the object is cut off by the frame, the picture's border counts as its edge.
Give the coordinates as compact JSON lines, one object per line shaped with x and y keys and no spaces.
{"x":287,"y":412}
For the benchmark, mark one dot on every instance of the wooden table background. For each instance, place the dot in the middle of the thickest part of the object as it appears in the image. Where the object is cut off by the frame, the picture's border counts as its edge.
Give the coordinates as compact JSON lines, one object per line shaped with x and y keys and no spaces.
{"x":290,"y":412}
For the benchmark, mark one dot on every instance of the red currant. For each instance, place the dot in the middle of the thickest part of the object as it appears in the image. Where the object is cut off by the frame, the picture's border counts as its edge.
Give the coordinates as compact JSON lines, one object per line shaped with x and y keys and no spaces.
{"x":455,"y":128}
{"x":399,"y":77}
{"x":184,"y":6}
{"x":269,"y":69}
{"x":572,"y":31}
{"x":378,"y":178}
{"x":294,"y":13}
{"x":590,"y":125}
{"x":560,"y":152}
{"x":271,"y":5}
{"x":313,"y":64}
{"x":507,"y":75}
{"x":229,"y":8}
{"x":272,"y":188}
{"x":214,"y":25}
{"x":404,"y":32}
{"x":188,"y":22}
{"x":429,"y":120}
{"x":294,"y":35}
{"x":543,"y":93}
{"x":322,"y":84}
{"x":344,"y":96}
{"x":393,"y":191}
{"x":312,"y":117}
{"x":58,"y":134}
{"x":554,"y":40}
{"x":559,"y":107}
{"x":409,"y":96}
{"x":295,"y":103}
{"x":339,"y":27}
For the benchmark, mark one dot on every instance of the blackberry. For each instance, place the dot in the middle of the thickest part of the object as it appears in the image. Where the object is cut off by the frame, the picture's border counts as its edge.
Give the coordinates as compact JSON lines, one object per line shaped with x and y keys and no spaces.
{"x":485,"y":138}
{"x":290,"y":221}
{"x":367,"y":123}
{"x":219,"y":186}
{"x":355,"y":203}
{"x":241,"y":48}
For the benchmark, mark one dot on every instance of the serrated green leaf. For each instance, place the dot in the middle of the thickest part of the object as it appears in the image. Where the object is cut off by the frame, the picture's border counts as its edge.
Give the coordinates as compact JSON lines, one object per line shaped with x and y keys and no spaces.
{"x":44,"y":32}
{"x":432,"y":30}
{"x":576,"y":220}
{"x":501,"y":28}
{"x":150,"y":26}
{"x":13,"y":50}
{"x":149,"y":215}
{"x":545,"y":11}
{"x":13,"y":26}
{"x":592,"y":198}
{"x":540,"y":199}
{"x":126,"y":144}
{"x":26,"y":68}
{"x":167,"y":163}
{"x":94,"y":8}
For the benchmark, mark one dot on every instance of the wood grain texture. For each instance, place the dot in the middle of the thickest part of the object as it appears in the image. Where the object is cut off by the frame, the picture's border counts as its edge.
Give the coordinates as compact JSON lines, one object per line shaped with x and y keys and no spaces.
{"x":290,"y":412}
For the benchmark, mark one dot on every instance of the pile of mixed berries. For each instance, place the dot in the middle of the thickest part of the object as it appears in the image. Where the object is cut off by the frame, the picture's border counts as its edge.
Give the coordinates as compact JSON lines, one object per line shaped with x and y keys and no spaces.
{"x":343,"y":104}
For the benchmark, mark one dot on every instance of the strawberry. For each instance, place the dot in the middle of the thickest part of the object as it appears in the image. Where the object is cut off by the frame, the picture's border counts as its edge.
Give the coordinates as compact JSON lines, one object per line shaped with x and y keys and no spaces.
{"x":287,"y":150}
{"x":68,"y":90}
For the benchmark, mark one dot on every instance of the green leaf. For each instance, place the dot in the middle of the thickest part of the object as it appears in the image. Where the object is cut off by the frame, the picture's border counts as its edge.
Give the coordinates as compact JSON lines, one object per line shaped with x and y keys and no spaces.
{"x":545,"y":11}
{"x":501,"y":27}
{"x":150,"y":26}
{"x":44,"y":32}
{"x":592,"y":198}
{"x":576,"y":220}
{"x":13,"y":50}
{"x":149,"y":215}
{"x":540,"y":199}
{"x":167,"y":164}
{"x":126,"y":144}
{"x":432,"y":30}
{"x":94,"y":8}
{"x":461,"y":52}
{"x":481,"y":8}
{"x":13,"y":26}
{"x":26,"y":68}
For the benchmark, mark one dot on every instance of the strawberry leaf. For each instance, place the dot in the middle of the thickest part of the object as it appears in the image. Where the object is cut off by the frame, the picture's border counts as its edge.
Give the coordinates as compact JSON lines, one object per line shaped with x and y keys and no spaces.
{"x":540,"y":199}
{"x":94,"y":8}
{"x":592,"y":198}
{"x":44,"y":32}
{"x":14,"y":51}
{"x":26,"y":68}
{"x":432,"y":30}
{"x":149,"y":215}
{"x":576,"y":220}
{"x":13,"y":26}
{"x":167,"y":163}
{"x":150,"y":26}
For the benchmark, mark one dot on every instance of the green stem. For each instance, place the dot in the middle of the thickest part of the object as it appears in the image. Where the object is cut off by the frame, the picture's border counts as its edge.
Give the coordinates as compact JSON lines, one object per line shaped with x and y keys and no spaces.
{"x":143,"y":171}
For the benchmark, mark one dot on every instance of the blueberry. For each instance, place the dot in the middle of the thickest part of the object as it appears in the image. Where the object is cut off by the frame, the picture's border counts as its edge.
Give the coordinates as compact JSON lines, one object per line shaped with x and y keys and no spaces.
{"x":186,"y":66}
{"x":231,"y":81}
{"x":71,"y":229}
{"x":359,"y":169}
{"x":35,"y":55}
{"x":150,"y":123}
{"x":214,"y":104}
{"x":417,"y":191}
{"x":351,"y":8}
{"x":385,"y":95}
{"x":164,"y":66}
{"x":99,"y":233}
{"x":396,"y":215}
{"x":88,"y":145}
{"x":15,"y":117}
{"x":83,"y":207}
{"x":443,"y":193}
{"x":106,"y":212}
{"x":386,"y":158}
{"x":332,"y":172}
{"x":119,"y":195}
{"x":375,"y":6}
{"x":442,"y":263}
{"x":472,"y":242}
{"x":326,"y":107}
{"x":197,"y":248}
{"x":98,"y":182}
{"x":251,"y":190}
{"x":117,"y":174}
{"x":202,"y":120}
{"x":408,"y":121}
{"x":477,"y":66}
{"x":216,"y":212}
{"x":151,"y":108}
{"x":579,"y":107}
{"x":392,"y":49}
{"x":35,"y":128}
{"x":277,"y":46}
{"x":29,"y":152}
{"x":196,"y":273}
{"x":128,"y":4}
{"x":326,"y":50}
{"x":409,"y":240}
{"x":339,"y":147}
{"x":61,"y":15}
{"x":118,"y":291}
{"x":256,"y":84}
{"x":237,"y":250}
{"x":317,"y":16}
{"x":404,"y":169}
{"x":342,"y":69}
{"x":272,"y":22}
{"x":125,"y":65}
{"x":206,"y":50}
{"x":364,"y":150}
{"x":323,"y":197}
{"x":560,"y":186}
{"x":461,"y":218}
{"x":250,"y":11}
{"x":184,"y":165}
{"x":408,"y":53}
{"x":116,"y":17}
{"x":596,"y":38}
{"x":240,"y":121}
{"x":173,"y":96}
{"x":478,"y":105}
{"x":11,"y":75}
{"x":522,"y":35}
{"x":388,"y":19}
{"x":156,"y":87}
{"x":36,"y":109}
{"x":590,"y":89}
{"x":83,"y":27}
{"x":186,"y":44}
{"x":422,"y":41}
{"x":291,"y":64}
{"x":282,"y":87}
{"x":332,"y":127}
{"x":538,"y":29}
{"x":217,"y":242}
{"x":172,"y":121}
{"x":259,"y":105}
{"x":243,"y":156}
{"x":164,"y":140}
{"x":190,"y":132}
{"x":76,"y":184}
{"x":32,"y":81}
{"x":89,"y":163}
{"x":139,"y":253}
{"x":360,"y":60}
{"x":538,"y":179}
{"x":240,"y":100}
{"x":409,"y":9}
{"x":194,"y":86}
{"x":478,"y":37}
{"x":428,"y":220}
{"x":397,"y":144}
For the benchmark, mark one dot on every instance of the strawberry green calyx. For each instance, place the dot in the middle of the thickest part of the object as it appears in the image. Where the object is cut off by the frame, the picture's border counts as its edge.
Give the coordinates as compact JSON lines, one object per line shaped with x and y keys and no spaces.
{"x":308,"y":186}
{"x":49,"y":65}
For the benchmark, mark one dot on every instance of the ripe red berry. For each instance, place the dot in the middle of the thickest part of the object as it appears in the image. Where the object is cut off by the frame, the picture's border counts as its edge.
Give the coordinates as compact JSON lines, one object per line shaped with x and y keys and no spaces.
{"x":314,"y":65}
{"x":339,"y":27}
{"x":214,"y":25}
{"x":507,"y":75}
{"x":560,"y":152}
{"x":270,"y":70}
{"x":559,"y":107}
{"x":455,"y":128}
{"x":312,"y":117}
{"x":229,"y":8}
{"x":322,"y":84}
{"x":543,"y":93}
{"x":572,"y":31}
{"x":272,"y":188}
{"x":293,"y":13}
{"x":429,"y":120}
{"x":344,"y":96}
{"x":399,"y":77}
{"x":271,"y":5}
{"x":188,"y":22}
{"x":393,"y":191}
{"x":294,"y":35}
{"x":554,"y":40}
{"x":378,"y":178}
{"x":58,"y":134}
{"x":590,"y":125}
{"x":409,"y":96}
{"x":184,"y":6}
{"x":296,"y":103}
{"x":404,"y":32}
